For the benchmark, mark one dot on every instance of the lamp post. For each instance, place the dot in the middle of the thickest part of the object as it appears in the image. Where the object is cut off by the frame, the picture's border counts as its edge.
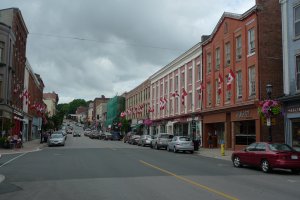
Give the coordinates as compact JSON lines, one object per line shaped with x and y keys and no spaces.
{"x":269,"y":88}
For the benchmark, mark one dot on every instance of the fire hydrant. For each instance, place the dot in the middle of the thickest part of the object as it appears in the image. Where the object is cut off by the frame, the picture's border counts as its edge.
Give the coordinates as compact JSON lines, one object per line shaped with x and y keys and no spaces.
{"x":222,"y":149}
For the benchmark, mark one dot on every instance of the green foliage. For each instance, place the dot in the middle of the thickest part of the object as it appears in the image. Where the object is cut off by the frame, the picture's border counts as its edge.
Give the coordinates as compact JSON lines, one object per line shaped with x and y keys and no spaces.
{"x":125,"y":125}
{"x":75,"y":104}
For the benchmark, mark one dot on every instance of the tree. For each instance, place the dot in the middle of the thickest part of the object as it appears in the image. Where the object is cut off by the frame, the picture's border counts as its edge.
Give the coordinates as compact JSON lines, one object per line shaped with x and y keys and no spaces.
{"x":75,"y":104}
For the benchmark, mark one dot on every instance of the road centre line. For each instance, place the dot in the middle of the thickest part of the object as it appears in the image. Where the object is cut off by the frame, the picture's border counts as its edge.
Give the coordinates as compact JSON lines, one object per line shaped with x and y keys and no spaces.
{"x":12,"y":159}
{"x":190,"y":181}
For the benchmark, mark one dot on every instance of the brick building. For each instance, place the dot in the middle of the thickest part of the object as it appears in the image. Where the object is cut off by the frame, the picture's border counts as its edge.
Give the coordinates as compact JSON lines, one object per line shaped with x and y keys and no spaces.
{"x":241,"y":56}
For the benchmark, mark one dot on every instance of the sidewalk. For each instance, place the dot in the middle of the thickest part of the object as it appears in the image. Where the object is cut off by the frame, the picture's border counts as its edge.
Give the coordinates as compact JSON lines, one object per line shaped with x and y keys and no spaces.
{"x":29,"y":146}
{"x":214,"y":153}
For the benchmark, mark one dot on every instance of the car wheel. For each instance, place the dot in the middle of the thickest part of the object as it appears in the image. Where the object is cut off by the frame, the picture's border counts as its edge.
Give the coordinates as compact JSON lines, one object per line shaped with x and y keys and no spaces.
{"x":174,"y":150}
{"x":237,"y":161}
{"x":265,"y":166}
{"x":168,"y":149}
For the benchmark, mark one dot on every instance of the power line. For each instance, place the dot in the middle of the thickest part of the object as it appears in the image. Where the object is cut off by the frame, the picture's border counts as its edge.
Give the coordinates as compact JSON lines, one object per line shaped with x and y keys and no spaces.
{"x":97,"y":41}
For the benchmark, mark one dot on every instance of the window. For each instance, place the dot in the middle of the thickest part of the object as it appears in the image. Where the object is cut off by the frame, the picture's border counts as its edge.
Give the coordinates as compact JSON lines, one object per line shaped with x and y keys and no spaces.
{"x":199,"y":99}
{"x":228,"y":92}
{"x":156,"y":92}
{"x":209,"y":98}
{"x":227,"y":53}
{"x":238,"y":47}
{"x":190,"y":100}
{"x":171,"y":85}
{"x":176,"y":83}
{"x":239,"y":84}
{"x":1,"y":52}
{"x":208,"y":62}
{"x":217,"y":58}
{"x":217,"y":93}
{"x":1,"y":86}
{"x":297,"y":21}
{"x":251,"y":41}
{"x":166,"y":87}
{"x":245,"y":132}
{"x":153,"y":93}
{"x":298,"y":72}
{"x":190,"y":76}
{"x":171,"y":106}
{"x":176,"y":105}
{"x":183,"y":80}
{"x":199,"y":72}
{"x":251,"y":81}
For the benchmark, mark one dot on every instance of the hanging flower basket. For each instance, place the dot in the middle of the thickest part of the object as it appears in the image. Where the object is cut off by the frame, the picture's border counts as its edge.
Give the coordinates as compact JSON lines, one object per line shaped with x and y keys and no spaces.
{"x":269,"y":108}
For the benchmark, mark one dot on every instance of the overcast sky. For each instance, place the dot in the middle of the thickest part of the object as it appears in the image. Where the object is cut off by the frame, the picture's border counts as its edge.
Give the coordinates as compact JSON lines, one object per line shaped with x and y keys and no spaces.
{"x":87,"y":48}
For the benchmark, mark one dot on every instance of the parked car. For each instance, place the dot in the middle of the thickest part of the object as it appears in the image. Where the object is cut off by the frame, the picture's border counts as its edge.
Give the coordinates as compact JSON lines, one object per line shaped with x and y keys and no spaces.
{"x":134,"y":139}
{"x":127,"y":137}
{"x":94,"y":135}
{"x":76,"y":134}
{"x":105,"y":136}
{"x":116,"y":136}
{"x":268,"y":156}
{"x":87,"y":132}
{"x":181,"y":143}
{"x":161,"y":141}
{"x":56,"y":138}
{"x":145,"y":140}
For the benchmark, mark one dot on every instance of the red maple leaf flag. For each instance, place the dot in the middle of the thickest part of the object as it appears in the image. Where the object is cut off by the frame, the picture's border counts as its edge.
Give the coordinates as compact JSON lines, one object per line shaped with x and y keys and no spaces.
{"x":220,"y":81}
{"x":230,"y":79}
{"x":184,"y":93}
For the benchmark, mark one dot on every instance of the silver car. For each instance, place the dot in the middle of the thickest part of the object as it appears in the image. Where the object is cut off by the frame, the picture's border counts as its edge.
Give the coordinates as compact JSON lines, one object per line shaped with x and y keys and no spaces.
{"x":181,"y":143}
{"x":161,"y":141}
{"x":145,"y":140}
{"x":56,"y":138}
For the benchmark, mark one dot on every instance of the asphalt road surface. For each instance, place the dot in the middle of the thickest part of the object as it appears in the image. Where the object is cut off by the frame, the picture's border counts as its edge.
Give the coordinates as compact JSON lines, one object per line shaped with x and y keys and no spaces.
{"x":96,"y":169}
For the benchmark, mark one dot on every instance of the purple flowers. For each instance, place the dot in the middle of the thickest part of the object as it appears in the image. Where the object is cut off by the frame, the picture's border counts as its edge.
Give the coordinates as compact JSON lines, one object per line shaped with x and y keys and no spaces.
{"x":269,"y":108}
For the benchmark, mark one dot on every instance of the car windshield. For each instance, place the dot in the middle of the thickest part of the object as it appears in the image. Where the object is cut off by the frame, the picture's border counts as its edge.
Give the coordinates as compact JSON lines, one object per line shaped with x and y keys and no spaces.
{"x":58,"y":135}
{"x":280,"y":147}
{"x":184,"y":139}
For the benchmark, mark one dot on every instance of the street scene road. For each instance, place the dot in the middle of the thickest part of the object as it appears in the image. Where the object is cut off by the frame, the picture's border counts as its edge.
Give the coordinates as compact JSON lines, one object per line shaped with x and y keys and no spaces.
{"x":98,"y":169}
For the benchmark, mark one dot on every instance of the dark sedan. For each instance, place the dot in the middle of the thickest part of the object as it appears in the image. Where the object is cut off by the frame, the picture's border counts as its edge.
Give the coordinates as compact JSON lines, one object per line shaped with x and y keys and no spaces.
{"x":268,"y":156}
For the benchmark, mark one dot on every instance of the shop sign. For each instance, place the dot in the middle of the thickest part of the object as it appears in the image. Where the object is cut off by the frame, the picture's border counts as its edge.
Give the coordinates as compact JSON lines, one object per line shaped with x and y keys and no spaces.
{"x":293,"y":109}
{"x":243,"y":114}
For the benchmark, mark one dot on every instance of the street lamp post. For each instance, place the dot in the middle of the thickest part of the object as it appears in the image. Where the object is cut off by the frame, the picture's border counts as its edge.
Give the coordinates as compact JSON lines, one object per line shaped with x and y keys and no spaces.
{"x":269,"y":88}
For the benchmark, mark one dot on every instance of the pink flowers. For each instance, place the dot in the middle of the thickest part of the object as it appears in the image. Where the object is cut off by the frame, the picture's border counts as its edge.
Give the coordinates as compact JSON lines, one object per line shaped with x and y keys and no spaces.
{"x":269,"y":108}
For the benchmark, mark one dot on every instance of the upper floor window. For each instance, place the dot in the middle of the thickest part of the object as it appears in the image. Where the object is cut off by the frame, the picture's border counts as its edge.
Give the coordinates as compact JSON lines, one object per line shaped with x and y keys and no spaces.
{"x":176,"y":83}
{"x":153,"y":93}
{"x":190,"y":101}
{"x":209,"y":96}
{"x":166,"y":87}
{"x":227,"y":53}
{"x":1,"y":52}
{"x":157,"y":92}
{"x":208,"y":62}
{"x":228,"y":92}
{"x":183,"y":80}
{"x":217,"y":93}
{"x":239,"y":85}
{"x":199,"y":71}
{"x":297,"y":21}
{"x":238,"y":47}
{"x":298,"y":71}
{"x":251,"y":41}
{"x":217,"y":58}
{"x":1,"y":85}
{"x":251,"y":81}
{"x":190,"y":76}
{"x":171,"y":85}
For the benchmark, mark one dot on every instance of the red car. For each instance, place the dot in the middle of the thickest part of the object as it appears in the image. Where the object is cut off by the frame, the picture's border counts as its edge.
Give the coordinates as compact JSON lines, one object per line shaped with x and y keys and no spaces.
{"x":268,"y":156}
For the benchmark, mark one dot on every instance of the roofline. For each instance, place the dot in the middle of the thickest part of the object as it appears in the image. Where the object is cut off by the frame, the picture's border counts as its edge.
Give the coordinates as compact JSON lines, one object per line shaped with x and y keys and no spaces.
{"x":234,"y":16}
{"x":21,"y":16}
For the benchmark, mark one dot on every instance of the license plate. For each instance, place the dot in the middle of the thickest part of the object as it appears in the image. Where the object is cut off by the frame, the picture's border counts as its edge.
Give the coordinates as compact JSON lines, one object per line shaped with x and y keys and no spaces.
{"x":294,"y":157}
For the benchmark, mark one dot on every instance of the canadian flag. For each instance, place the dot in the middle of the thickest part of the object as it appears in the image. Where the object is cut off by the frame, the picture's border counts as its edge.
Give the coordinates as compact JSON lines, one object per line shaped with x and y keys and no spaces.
{"x":220,"y":81}
{"x":230,"y":79}
{"x":161,"y":103}
{"x":151,"y":109}
{"x":184,"y":93}
{"x":123,"y":114}
{"x":175,"y":94}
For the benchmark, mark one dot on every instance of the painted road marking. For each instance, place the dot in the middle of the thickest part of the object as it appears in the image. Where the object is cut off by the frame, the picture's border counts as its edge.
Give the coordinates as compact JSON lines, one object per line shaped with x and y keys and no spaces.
{"x":190,"y":181}
{"x":12,"y":159}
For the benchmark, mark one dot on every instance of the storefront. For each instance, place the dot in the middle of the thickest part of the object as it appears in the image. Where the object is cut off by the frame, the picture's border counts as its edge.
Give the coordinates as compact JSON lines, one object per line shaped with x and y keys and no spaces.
{"x":245,"y":128}
{"x":292,"y":125}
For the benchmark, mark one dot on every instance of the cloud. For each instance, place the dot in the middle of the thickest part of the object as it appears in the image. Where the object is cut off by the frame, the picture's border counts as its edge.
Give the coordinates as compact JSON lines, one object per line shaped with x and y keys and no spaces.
{"x":86,"y":48}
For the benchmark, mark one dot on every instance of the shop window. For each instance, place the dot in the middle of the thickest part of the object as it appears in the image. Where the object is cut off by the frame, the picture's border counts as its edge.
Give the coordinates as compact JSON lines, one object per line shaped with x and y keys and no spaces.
{"x":244,"y":132}
{"x":296,"y":133}
{"x":298,"y":72}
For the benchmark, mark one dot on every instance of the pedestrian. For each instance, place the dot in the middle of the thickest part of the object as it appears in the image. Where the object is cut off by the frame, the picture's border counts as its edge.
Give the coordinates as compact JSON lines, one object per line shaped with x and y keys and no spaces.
{"x":210,"y":142}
